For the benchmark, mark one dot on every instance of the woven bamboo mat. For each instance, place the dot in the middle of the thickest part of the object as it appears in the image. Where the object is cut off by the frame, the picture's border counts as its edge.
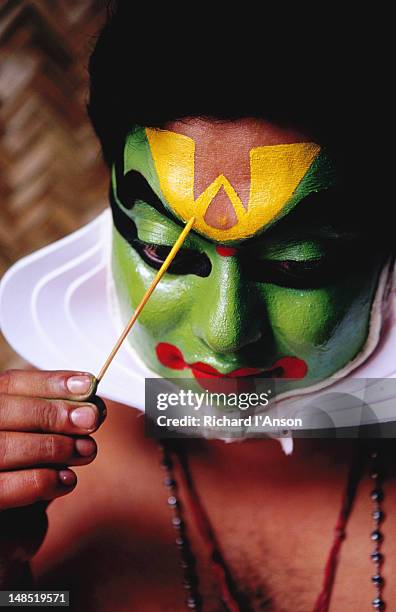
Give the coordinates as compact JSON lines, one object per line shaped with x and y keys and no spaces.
{"x":52,"y":178}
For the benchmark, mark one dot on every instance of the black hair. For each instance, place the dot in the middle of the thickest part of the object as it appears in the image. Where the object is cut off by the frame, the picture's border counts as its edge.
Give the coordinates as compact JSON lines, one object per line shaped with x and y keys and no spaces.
{"x":147,"y":72}
{"x":147,"y":69}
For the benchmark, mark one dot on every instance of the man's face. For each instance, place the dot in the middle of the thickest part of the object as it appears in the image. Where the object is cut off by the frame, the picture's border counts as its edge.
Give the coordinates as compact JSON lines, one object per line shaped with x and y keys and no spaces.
{"x":268,"y":283}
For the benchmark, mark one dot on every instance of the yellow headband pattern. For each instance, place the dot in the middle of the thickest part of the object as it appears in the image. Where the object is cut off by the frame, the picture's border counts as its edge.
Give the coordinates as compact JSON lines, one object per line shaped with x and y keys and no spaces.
{"x":275,"y":172}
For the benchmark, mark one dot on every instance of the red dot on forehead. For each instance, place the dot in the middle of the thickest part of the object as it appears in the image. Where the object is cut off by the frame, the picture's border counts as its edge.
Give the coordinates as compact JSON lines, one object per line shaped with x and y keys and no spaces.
{"x":226,"y":251}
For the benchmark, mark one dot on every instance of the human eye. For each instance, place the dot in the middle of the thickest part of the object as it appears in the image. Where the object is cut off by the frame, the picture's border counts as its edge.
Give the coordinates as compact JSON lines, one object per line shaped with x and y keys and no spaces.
{"x":308,"y":266}
{"x":187,"y":261}
{"x":296,"y":274}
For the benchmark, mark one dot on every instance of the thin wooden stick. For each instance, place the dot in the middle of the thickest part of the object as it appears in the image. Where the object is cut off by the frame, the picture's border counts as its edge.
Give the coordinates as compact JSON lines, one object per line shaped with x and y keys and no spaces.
{"x":173,"y":252}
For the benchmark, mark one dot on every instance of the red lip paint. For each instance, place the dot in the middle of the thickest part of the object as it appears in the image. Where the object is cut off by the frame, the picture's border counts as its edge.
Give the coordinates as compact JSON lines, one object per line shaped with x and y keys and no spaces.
{"x":171,"y":357}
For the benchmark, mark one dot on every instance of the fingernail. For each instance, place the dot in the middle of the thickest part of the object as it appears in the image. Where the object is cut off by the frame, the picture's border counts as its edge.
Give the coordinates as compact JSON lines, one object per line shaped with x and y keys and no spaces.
{"x":67,"y":478}
{"x":79,"y":385}
{"x":84,"y":417}
{"x":85,"y":448}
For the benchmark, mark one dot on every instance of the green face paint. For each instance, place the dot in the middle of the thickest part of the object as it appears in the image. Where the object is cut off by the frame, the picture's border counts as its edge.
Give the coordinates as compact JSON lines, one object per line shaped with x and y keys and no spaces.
{"x":293,"y":301}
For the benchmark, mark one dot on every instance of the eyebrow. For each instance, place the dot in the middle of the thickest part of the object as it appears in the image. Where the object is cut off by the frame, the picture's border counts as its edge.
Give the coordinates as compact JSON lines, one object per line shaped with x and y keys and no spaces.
{"x":133,"y":186}
{"x":307,"y":221}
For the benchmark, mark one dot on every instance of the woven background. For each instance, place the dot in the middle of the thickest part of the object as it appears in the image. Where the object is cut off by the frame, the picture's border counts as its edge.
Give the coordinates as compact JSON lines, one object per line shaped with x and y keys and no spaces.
{"x":52,"y":178}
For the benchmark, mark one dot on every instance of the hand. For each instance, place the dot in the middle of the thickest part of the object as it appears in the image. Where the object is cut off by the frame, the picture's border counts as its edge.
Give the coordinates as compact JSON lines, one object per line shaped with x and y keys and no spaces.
{"x":45,"y":422}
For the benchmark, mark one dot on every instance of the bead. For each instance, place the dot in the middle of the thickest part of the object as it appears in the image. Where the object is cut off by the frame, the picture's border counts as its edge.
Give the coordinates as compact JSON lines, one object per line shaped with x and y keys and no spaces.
{"x":374,"y":475}
{"x":376,"y":535}
{"x":378,"y":603}
{"x":192,"y":602}
{"x":378,"y":515}
{"x":184,"y":564}
{"x":189,"y":575}
{"x":172,"y":501}
{"x":187,"y":561}
{"x":374,"y":454}
{"x":190,"y":580}
{"x":170,"y":482}
{"x":377,"y":495}
{"x":177,"y":522}
{"x":166,"y":463}
{"x":181,"y":543}
{"x":377,"y":557}
{"x":377,"y":579}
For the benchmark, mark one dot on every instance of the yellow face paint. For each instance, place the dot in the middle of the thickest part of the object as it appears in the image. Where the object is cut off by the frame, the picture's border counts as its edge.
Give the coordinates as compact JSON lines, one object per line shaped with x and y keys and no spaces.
{"x":275,"y":173}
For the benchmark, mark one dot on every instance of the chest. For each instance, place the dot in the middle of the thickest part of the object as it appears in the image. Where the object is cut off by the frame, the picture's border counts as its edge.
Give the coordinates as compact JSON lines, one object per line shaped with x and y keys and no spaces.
{"x":114,"y":548}
{"x":276,"y":535}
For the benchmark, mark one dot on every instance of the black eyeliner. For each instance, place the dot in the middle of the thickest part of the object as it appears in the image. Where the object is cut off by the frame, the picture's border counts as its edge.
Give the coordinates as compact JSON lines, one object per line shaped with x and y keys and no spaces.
{"x":133,"y":186}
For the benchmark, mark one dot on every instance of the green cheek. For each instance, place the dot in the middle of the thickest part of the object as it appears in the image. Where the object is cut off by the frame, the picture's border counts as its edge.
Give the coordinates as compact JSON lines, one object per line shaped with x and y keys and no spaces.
{"x":167,"y":314}
{"x":132,"y":278}
{"x":325,"y":327}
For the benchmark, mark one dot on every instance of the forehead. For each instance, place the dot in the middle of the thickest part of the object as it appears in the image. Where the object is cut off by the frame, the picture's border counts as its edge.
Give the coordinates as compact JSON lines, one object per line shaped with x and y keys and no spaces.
{"x":213,"y":137}
{"x":223,"y":147}
{"x":235,"y":177}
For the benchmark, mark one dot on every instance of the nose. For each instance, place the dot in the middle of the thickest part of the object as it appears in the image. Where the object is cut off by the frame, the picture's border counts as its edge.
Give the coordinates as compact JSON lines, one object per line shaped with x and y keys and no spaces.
{"x":229,"y":314}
